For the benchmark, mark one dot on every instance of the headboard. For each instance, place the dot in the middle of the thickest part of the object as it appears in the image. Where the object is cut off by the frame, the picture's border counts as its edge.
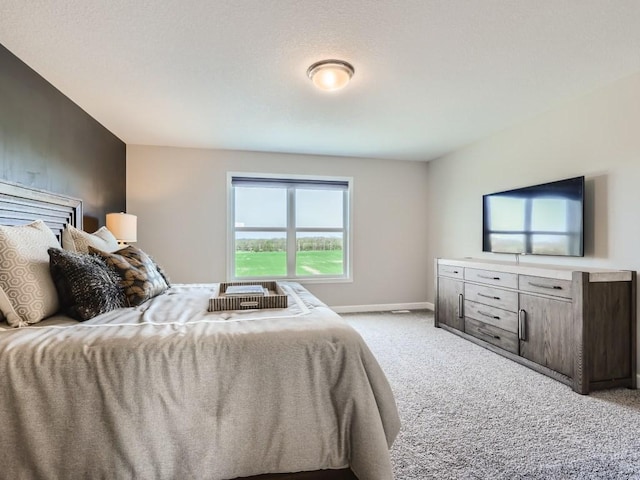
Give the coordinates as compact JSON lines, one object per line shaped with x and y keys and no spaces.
{"x":20,"y":204}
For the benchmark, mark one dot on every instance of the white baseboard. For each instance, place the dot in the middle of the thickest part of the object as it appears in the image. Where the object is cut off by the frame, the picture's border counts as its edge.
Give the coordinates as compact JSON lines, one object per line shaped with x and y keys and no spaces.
{"x":385,"y":307}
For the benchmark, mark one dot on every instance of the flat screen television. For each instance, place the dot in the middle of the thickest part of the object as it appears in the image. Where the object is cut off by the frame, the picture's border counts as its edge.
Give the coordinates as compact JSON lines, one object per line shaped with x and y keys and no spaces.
{"x":545,"y":219}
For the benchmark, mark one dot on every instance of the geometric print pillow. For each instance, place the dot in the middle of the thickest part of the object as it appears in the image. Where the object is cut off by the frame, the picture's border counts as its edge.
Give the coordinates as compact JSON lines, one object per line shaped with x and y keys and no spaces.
{"x":27,"y":292}
{"x":76,"y":240}
{"x":139,"y":275}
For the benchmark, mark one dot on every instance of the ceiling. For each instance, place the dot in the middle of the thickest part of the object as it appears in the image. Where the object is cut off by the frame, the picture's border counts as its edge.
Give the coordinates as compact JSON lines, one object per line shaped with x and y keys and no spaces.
{"x":430,"y":75}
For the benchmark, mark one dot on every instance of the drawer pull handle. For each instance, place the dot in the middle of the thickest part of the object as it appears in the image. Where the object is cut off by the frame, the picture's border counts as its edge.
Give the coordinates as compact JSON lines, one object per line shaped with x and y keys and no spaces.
{"x":522,"y":325}
{"x":460,"y":303}
{"x":495,"y":317}
{"x":489,"y":277}
{"x":488,"y":296}
{"x":541,"y":285}
{"x":488,"y":334}
{"x":248,"y":304}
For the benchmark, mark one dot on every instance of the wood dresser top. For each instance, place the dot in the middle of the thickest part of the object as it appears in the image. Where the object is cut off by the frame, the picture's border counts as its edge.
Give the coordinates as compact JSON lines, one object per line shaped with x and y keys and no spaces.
{"x":562,"y":272}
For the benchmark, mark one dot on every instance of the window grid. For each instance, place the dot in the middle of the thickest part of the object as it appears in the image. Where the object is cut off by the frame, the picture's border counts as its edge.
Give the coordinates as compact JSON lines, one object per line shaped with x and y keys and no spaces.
{"x":291,"y":233}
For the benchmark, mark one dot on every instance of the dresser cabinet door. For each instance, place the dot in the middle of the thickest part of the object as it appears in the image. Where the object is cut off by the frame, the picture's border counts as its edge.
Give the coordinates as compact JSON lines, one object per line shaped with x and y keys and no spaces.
{"x":450,"y":303}
{"x":546,"y":332}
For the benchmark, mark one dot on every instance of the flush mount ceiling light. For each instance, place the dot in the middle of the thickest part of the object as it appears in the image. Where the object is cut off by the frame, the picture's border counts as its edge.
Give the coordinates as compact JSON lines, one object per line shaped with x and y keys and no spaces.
{"x":330,"y":75}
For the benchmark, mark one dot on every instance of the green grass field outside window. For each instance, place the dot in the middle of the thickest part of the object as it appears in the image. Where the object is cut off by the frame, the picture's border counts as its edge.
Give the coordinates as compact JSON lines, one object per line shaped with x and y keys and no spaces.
{"x":274,"y":264}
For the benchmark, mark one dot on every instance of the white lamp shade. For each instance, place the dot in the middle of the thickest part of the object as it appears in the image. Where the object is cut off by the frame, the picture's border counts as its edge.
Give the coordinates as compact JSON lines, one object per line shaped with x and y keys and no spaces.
{"x":124,"y":226}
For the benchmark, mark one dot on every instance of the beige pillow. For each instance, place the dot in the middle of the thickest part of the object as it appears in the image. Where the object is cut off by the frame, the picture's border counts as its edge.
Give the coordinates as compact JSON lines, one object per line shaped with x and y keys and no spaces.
{"x":27,"y":291}
{"x":76,"y":240}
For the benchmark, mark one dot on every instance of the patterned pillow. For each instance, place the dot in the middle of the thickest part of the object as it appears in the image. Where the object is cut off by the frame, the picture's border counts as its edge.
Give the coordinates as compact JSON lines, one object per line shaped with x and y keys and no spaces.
{"x":139,"y":275}
{"x":161,"y":271}
{"x":27,"y":292}
{"x":86,"y":286}
{"x":76,"y":240}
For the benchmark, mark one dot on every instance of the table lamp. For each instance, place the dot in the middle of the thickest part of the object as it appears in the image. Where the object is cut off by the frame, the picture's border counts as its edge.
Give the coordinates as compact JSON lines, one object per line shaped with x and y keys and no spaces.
{"x":124,"y":227}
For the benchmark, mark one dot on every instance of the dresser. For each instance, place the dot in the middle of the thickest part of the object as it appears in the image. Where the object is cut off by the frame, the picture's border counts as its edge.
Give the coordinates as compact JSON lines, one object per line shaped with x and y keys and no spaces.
{"x":576,"y":325}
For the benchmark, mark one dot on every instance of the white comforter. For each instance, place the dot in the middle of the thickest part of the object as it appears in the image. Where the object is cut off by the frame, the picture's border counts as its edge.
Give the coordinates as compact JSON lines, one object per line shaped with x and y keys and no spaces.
{"x":170,"y":391}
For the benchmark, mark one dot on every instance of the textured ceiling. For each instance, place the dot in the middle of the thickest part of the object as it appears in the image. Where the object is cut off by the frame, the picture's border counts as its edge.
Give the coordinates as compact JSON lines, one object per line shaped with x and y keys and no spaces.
{"x":431,"y":75}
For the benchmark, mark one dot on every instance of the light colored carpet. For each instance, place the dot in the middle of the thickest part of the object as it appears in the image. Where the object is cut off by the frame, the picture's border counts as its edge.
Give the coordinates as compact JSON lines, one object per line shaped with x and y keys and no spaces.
{"x":468,"y":413}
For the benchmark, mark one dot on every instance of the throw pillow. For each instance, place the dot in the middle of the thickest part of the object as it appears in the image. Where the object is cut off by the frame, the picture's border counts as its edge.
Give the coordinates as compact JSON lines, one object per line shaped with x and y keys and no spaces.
{"x":76,"y":240}
{"x":139,"y":276}
{"x":161,"y":271}
{"x":86,"y":286}
{"x":27,"y":292}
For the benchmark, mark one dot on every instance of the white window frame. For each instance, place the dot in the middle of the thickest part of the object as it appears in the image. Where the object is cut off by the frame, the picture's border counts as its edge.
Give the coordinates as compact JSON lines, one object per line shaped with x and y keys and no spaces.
{"x":291,"y":230}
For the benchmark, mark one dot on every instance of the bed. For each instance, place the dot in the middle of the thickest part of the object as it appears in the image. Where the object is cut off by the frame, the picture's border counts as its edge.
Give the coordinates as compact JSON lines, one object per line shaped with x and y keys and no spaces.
{"x":167,"y":390}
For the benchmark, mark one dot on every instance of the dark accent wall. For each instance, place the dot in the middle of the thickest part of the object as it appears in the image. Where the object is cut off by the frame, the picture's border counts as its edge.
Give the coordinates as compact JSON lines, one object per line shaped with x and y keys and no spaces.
{"x":49,"y":142}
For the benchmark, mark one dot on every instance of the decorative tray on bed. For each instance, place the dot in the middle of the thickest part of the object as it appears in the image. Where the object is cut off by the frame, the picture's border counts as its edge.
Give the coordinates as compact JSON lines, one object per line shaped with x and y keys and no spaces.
{"x":245,"y":296}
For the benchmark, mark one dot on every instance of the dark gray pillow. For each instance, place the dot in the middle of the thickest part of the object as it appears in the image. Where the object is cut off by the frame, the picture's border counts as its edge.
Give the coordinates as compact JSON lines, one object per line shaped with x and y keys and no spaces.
{"x":86,"y":285}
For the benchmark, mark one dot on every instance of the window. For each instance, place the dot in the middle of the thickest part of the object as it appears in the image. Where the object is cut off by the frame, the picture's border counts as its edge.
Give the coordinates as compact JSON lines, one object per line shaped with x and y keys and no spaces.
{"x":289,"y":227}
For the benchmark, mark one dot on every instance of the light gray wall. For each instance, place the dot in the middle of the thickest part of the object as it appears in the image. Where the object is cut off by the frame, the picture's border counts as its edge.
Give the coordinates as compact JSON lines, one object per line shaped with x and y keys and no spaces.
{"x":597,"y":135}
{"x":180,"y":197}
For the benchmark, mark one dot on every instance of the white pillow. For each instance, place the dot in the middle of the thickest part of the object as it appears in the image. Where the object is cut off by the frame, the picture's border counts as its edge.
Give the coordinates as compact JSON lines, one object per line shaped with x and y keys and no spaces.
{"x":76,"y":240}
{"x":27,"y":291}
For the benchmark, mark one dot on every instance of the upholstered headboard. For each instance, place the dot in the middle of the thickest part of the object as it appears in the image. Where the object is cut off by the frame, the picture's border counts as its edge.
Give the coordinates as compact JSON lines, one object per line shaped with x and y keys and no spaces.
{"x":20,"y":205}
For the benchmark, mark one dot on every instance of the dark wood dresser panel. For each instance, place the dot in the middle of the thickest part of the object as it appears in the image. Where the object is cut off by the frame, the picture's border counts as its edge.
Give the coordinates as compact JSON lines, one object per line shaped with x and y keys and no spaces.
{"x":575,"y":325}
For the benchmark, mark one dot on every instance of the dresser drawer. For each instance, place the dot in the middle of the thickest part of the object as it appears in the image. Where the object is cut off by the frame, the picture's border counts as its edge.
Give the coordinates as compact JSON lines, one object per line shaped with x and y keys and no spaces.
{"x":451,"y":271}
{"x":496,"y":336}
{"x":497,"y":317}
{"x":503,"y":279}
{"x":496,"y":297}
{"x":548,"y":286}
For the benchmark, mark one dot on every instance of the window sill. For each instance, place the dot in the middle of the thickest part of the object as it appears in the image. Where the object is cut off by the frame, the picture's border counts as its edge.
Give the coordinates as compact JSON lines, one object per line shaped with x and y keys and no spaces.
{"x":302,"y":281}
